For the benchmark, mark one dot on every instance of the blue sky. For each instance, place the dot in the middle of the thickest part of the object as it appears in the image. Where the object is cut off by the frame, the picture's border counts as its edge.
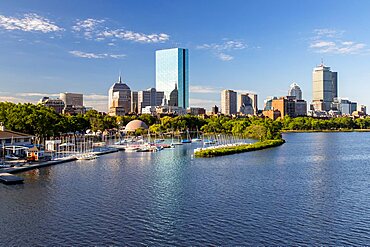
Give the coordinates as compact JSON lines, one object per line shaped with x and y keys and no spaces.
{"x":54,"y":46}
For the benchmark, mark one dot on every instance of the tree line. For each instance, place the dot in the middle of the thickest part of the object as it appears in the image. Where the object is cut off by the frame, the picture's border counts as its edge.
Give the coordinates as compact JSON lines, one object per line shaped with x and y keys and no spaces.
{"x":44,"y":122}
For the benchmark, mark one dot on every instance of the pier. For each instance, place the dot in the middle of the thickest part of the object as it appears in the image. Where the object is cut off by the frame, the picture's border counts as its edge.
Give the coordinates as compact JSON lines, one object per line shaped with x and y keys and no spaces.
{"x":31,"y":166}
{"x":7,"y":178}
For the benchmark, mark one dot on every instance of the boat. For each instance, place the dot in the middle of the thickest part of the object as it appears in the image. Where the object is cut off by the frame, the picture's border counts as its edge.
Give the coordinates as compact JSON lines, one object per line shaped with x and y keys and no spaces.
{"x":11,"y":157}
{"x":5,"y":166}
{"x":209,"y":142}
{"x":196,"y":139}
{"x":173,"y":143}
{"x":86,"y":156}
{"x":188,"y":139}
{"x":131,"y":149}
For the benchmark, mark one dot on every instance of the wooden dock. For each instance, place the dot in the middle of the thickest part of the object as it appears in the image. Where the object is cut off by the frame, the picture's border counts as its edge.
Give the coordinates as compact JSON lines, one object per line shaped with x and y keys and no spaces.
{"x":8,"y":178}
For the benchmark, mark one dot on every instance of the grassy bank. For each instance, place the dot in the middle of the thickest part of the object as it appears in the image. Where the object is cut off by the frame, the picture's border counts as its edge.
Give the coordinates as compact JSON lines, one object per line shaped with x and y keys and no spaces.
{"x":336,"y":130}
{"x":239,"y":149}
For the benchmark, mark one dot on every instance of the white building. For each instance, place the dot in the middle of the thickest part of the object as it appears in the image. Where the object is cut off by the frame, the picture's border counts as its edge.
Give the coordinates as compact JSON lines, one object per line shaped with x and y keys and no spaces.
{"x":228,"y":102}
{"x":119,"y":96}
{"x":295,"y":90}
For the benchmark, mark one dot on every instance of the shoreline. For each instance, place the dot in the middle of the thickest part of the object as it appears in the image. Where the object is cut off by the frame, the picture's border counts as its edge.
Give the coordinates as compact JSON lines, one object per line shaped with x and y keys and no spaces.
{"x":208,"y":153}
{"x":328,"y":131}
{"x":32,"y":166}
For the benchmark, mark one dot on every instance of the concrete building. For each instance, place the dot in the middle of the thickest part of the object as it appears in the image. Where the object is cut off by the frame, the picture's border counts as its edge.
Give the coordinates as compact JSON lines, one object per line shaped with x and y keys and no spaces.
{"x":215,"y":109}
{"x":150,"y":97}
{"x":172,"y":71}
{"x":344,"y":106}
{"x":247,"y":104}
{"x":119,"y":96}
{"x":228,"y":102}
{"x":324,"y":88}
{"x":286,"y":106}
{"x":362,"y":108}
{"x":174,"y":95}
{"x":73,"y":103}
{"x":295,"y":90}
{"x":196,"y":111}
{"x":134,"y":102}
{"x":56,"y":104}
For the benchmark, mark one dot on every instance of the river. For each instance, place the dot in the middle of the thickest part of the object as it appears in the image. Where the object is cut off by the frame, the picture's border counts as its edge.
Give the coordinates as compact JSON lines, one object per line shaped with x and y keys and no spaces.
{"x":313,"y":190}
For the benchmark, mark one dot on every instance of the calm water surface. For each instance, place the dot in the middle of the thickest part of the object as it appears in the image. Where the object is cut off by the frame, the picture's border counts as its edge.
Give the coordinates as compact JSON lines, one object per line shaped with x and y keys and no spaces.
{"x":313,"y":190}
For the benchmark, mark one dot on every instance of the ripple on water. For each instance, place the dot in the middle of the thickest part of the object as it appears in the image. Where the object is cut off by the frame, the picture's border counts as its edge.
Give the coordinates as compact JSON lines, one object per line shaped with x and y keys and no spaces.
{"x":313,"y":190}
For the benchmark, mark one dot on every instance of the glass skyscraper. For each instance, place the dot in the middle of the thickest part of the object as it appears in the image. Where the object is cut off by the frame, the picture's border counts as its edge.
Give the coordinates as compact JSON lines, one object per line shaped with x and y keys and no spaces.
{"x":171,"y":72}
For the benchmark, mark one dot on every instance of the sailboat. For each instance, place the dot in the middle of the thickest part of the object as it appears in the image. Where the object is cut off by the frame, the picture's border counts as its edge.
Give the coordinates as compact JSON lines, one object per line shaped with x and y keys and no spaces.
{"x":188,"y":139}
{"x":175,"y":143}
{"x":196,"y":139}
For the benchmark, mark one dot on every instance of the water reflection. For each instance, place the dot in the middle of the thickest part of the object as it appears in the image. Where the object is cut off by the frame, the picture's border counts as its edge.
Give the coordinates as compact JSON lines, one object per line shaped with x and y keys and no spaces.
{"x":311,"y":191}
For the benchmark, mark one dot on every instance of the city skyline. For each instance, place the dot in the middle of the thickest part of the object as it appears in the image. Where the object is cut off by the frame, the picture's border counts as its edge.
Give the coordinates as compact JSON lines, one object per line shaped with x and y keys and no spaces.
{"x":49,"y":48}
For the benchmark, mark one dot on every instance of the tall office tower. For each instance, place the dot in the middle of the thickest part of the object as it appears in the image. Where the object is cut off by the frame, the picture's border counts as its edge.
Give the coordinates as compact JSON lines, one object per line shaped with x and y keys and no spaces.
{"x":143,"y":99}
{"x":119,"y":99}
{"x":150,"y":97}
{"x":245,"y":104}
{"x":324,"y":87}
{"x":172,"y":73}
{"x":295,"y":90}
{"x":134,"y":102}
{"x":228,"y":102}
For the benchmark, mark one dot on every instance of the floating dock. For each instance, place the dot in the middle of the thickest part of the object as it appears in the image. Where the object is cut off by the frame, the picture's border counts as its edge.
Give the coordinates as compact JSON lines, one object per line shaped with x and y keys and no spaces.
{"x":8,"y":178}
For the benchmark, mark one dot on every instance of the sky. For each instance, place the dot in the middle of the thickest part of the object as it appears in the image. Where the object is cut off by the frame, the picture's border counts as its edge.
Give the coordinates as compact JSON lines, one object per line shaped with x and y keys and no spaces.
{"x":48,"y":47}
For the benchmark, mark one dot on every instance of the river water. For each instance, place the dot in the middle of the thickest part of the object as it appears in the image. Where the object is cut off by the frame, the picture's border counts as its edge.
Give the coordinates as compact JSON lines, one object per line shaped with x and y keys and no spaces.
{"x":313,"y":190}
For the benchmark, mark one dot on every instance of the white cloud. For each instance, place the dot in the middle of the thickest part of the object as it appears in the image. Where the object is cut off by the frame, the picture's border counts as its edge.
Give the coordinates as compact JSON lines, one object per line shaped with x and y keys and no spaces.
{"x":226,"y":45}
{"x":93,"y":29}
{"x":321,"y":44}
{"x":29,"y":23}
{"x":328,"y":33}
{"x":91,"y":55}
{"x":346,"y":47}
{"x":225,"y":57}
{"x":134,"y":36}
{"x":204,"y":89}
{"x":205,"y":103}
{"x":97,"y":101}
{"x":331,"y":41}
{"x":220,"y":49}
{"x":87,"y":25}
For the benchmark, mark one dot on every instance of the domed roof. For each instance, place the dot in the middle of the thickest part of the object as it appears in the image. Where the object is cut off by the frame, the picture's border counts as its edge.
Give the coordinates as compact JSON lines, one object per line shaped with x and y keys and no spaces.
{"x":136,"y":124}
{"x":294,"y":85}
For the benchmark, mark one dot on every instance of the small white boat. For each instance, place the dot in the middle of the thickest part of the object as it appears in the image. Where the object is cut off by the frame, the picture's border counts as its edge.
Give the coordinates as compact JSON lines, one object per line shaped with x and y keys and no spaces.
{"x":196,"y":140}
{"x":11,"y":157}
{"x":176,"y":143}
{"x":87,"y":156}
{"x":131,"y":149}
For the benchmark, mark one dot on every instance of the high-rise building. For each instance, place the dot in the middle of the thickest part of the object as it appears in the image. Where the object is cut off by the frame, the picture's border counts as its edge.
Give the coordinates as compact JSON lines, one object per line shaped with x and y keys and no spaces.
{"x":72,"y":99}
{"x":56,"y":104}
{"x":134,"y":102}
{"x":215,"y":109}
{"x":119,"y":98}
{"x":228,"y":102}
{"x":324,"y":87}
{"x":295,"y":90}
{"x":73,"y":103}
{"x":150,"y":97}
{"x":247,"y":103}
{"x":172,"y":71}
